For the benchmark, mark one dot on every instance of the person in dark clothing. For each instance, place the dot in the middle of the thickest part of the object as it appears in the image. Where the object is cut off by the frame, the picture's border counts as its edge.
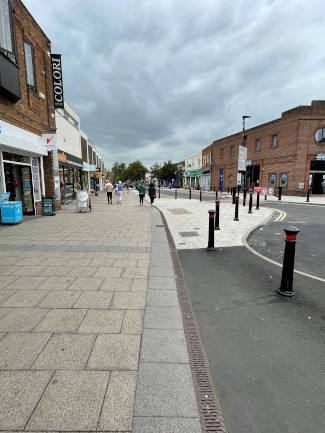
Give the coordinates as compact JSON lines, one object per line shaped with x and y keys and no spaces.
{"x":152,"y":193}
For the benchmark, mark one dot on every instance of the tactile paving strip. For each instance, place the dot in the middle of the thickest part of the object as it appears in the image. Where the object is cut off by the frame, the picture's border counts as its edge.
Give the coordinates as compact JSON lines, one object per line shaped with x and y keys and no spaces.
{"x":211,"y":416}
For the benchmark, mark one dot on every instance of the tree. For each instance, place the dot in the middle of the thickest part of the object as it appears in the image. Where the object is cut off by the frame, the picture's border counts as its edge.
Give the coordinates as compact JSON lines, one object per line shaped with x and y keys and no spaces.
{"x":155,"y":170}
{"x":136,"y":171}
{"x":167,"y":171}
{"x":118,"y":170}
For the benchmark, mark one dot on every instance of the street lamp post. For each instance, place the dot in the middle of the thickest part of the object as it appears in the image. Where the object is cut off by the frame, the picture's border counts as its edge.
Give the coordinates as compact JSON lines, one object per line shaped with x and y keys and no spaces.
{"x":244,"y":142}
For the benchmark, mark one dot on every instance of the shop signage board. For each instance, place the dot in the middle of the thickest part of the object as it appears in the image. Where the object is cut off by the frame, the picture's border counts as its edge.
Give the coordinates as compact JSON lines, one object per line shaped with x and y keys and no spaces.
{"x":66,"y":158}
{"x":320,"y":157}
{"x":48,"y":205}
{"x":49,"y":141}
{"x":35,"y":180}
{"x":95,"y":174}
{"x":242,"y":156}
{"x":57,"y":80}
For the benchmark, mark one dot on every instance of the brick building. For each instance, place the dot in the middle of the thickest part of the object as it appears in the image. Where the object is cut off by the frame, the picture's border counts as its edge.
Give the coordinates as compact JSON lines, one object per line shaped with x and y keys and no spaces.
{"x":26,"y":107}
{"x":288,"y":152}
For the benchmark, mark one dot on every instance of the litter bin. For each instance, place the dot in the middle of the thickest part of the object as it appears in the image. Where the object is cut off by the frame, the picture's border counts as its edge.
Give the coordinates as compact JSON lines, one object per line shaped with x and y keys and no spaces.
{"x":83,"y":203}
{"x":48,"y":205}
{"x":11,"y":212}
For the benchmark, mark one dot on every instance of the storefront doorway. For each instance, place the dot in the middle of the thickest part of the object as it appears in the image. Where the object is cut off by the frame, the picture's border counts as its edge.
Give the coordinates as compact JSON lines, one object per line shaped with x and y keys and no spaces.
{"x":253,"y":175}
{"x":18,"y":182}
{"x":317,"y":177}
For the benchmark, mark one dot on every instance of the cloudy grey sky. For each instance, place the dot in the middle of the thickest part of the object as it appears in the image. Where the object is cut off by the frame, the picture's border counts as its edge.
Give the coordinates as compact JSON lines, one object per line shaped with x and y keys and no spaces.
{"x":161,"y":79}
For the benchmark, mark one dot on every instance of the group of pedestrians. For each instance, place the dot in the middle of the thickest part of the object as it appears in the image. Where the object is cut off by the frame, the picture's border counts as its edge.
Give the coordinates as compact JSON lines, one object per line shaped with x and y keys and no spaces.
{"x":119,"y":192}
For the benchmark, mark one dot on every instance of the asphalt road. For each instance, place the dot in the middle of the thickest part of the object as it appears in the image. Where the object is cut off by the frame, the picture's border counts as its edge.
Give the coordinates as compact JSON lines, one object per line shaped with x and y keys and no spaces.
{"x":266,"y":352}
{"x":310,"y":249}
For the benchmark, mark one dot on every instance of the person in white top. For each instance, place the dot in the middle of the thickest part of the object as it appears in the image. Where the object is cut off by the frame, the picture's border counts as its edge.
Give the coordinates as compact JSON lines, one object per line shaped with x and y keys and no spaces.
{"x":109,"y":189}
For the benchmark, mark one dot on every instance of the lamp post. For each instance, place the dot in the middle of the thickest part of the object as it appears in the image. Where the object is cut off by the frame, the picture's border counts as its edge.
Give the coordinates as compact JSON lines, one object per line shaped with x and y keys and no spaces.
{"x":244,"y":142}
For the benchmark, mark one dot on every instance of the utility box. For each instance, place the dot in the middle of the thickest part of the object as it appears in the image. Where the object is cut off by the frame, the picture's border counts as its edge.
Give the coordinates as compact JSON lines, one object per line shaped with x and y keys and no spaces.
{"x":11,"y":212}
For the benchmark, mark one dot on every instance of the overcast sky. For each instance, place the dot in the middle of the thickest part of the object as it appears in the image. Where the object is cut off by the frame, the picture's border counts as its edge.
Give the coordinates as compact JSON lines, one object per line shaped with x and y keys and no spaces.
{"x":161,"y":79}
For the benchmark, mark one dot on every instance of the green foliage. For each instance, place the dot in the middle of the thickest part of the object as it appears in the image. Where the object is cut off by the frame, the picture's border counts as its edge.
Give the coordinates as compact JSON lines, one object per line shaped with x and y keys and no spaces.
{"x":136,"y":171}
{"x":167,"y":171}
{"x":155,"y":170}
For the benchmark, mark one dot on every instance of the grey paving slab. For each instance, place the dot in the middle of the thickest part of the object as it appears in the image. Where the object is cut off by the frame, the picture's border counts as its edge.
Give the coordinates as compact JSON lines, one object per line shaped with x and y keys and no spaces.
{"x":59,"y":299}
{"x":102,"y":262}
{"x":57,"y":283}
{"x":5,"y":280}
{"x":139,"y":256}
{"x":161,"y":272}
{"x":109,"y":272}
{"x":117,"y":249}
{"x":9,"y":260}
{"x":32,"y":261}
{"x":5,"y":294}
{"x":129,"y":301}
{"x":117,"y":410}
{"x":116,"y":284}
{"x":65,"y":352}
{"x":29,"y":271}
{"x":162,"y":345}
{"x":4,"y":312}
{"x":102,"y":321}
{"x":163,"y":318}
{"x":26,"y":283}
{"x":162,"y":298}
{"x":160,"y":249}
{"x":98,"y":248}
{"x":125,"y":263}
{"x":162,"y":283}
{"x":2,"y":335}
{"x":20,"y":393}
{"x":115,"y":352}
{"x":117,"y":255}
{"x":90,"y":299}
{"x":132,"y":322}
{"x":143,"y":263}
{"x":72,"y":402}
{"x":22,"y":319}
{"x":54,"y":261}
{"x":139,"y":249}
{"x":58,"y":320}
{"x":8,"y":270}
{"x":166,"y":425}
{"x":83,"y":262}
{"x":82,"y":271}
{"x":54,"y":271}
{"x":165,"y":390}
{"x":86,"y":283}
{"x":139,"y":285}
{"x":135,"y":273}
{"x":24,"y":298}
{"x":19,"y":350}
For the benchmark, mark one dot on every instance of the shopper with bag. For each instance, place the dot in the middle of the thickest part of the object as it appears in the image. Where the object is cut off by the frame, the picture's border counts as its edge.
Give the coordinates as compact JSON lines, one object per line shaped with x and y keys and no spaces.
{"x":152,"y":193}
{"x":142,"y":192}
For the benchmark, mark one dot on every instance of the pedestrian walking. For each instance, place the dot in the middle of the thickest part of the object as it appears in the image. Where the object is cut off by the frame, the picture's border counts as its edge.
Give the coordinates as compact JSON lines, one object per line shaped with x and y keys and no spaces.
{"x":109,"y":190}
{"x":119,"y":192}
{"x":323,"y":186}
{"x":142,"y":191}
{"x":152,"y":193}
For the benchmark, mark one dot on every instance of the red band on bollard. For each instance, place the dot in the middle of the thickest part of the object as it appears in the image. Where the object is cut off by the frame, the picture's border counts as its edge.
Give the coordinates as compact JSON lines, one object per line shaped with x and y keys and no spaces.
{"x":237,"y":198}
{"x":211,"y":216}
{"x":217,"y":204}
{"x":291,"y":238}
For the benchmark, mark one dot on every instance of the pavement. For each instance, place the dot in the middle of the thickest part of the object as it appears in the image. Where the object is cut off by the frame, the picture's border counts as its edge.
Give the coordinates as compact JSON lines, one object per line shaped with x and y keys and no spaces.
{"x":91,"y":330}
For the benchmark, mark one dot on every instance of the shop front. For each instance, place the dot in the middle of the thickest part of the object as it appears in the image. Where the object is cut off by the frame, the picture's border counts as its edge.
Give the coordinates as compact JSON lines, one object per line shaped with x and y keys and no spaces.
{"x":195,"y":178}
{"x":206,"y":179}
{"x":70,"y":173}
{"x":21,"y":162}
{"x":317,"y":174}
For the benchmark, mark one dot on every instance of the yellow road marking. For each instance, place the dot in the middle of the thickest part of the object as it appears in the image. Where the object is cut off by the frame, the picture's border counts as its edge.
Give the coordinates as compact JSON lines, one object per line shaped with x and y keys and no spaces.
{"x":281,"y":216}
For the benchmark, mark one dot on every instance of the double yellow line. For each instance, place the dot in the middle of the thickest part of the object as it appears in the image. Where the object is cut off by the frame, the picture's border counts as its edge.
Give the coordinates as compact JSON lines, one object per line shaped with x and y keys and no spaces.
{"x":281,"y":215}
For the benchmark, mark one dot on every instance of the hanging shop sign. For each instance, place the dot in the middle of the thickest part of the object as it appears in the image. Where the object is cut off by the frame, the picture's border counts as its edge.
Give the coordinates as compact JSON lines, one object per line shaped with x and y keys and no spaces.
{"x":57,"y":80}
{"x":320,"y":157}
{"x":66,"y":158}
{"x":242,"y":156}
{"x":195,"y":173}
{"x":49,"y":141}
{"x":95,"y":174}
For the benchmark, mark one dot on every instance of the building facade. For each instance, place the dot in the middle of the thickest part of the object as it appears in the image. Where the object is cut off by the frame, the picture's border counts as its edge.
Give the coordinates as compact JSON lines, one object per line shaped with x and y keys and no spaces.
{"x":287,"y":152}
{"x":26,"y":102}
{"x":206,"y":168}
{"x":192,"y":172}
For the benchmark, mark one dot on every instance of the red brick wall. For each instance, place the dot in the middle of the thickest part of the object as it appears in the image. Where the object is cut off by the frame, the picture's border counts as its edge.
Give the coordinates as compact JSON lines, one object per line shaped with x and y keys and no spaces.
{"x":295,"y":149}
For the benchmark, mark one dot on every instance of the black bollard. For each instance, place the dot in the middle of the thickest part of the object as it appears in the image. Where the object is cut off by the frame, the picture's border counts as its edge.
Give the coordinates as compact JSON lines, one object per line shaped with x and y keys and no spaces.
{"x":250,"y":202}
{"x":159,"y":192}
{"x":221,"y":190}
{"x":236,"y":208}
{"x":216,"y":194}
{"x":233,"y":195}
{"x":244,"y":198}
{"x":190,"y":194}
{"x":265,"y":197}
{"x":288,"y":261}
{"x":258,"y":200}
{"x":308,"y":192}
{"x":175,"y":193}
{"x":215,"y":189}
{"x":216,"y":220}
{"x":280,"y":192}
{"x":228,"y":189}
{"x":211,"y":231}
{"x":200,"y":194}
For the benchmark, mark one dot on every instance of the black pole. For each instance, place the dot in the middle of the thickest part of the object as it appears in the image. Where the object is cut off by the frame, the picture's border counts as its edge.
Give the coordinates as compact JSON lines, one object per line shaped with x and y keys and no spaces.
{"x":308,"y":192}
{"x":159,"y":192}
{"x":228,"y":189}
{"x":265,"y":197}
{"x":244,"y":198}
{"x":250,"y":202}
{"x":190,"y":194}
{"x":288,"y":261}
{"x":211,"y":231}
{"x":216,"y":194}
{"x":258,"y":201}
{"x":280,"y":192}
{"x":236,"y":209}
{"x":200,"y":194}
{"x":233,"y":195}
{"x":216,"y":220}
{"x":175,"y":193}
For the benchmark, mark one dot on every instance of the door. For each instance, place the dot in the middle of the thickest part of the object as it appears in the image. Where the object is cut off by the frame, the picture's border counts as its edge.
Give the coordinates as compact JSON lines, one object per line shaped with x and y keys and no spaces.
{"x":220,"y":178}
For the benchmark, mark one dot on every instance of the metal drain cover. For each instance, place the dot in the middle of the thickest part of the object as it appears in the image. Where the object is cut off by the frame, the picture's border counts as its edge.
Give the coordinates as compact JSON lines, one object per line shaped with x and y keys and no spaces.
{"x":188,"y":234}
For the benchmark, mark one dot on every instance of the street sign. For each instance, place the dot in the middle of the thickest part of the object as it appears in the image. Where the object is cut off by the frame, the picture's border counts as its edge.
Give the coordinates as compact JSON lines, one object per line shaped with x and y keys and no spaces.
{"x":242,"y":156}
{"x":265,"y":190}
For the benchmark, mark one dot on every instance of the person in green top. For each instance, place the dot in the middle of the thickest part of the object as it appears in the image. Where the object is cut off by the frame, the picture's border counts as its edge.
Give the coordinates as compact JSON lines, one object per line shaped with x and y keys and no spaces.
{"x":142,"y":192}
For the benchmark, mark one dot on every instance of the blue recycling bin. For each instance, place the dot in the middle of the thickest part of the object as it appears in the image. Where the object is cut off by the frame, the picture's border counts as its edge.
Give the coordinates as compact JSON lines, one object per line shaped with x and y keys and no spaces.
{"x":11,"y":212}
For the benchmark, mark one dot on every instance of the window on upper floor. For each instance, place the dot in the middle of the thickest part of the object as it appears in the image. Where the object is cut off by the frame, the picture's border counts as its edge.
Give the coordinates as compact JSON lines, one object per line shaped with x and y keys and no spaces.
{"x":222,"y":153}
{"x":257,"y":144}
{"x":232,"y":151}
{"x":320,"y":135}
{"x":30,"y":65}
{"x":204,"y":160}
{"x":7,"y":34}
{"x":274,"y":140}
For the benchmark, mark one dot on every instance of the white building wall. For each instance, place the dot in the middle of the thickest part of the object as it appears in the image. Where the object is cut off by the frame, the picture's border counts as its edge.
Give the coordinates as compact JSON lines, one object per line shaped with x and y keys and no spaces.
{"x":68,"y":131}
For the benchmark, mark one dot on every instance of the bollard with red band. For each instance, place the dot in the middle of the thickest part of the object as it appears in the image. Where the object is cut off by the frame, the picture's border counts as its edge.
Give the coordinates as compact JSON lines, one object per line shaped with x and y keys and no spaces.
{"x":216,"y":194}
{"x":211,"y":231}
{"x":216,"y":220}
{"x":236,"y":208}
{"x":250,"y":202}
{"x":244,"y":197}
{"x":190,"y":194}
{"x":234,"y":195}
{"x":308,"y":192}
{"x":200,"y":194}
{"x":258,"y":200}
{"x":288,"y":261}
{"x":280,"y":193}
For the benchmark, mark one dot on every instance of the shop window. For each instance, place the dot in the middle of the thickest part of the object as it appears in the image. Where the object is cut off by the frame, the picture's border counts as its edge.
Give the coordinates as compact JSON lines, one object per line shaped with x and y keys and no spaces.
{"x":320,"y":135}
{"x":7,"y":35}
{"x":274,"y":142}
{"x":14,"y":157}
{"x":30,"y":65}
{"x":258,"y":144}
{"x":232,"y":151}
{"x":222,"y":154}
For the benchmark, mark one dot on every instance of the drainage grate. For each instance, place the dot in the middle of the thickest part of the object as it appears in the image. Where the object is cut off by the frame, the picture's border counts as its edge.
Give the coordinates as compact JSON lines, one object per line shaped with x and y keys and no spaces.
{"x":211,"y":416}
{"x":188,"y":234}
{"x":159,"y":225}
